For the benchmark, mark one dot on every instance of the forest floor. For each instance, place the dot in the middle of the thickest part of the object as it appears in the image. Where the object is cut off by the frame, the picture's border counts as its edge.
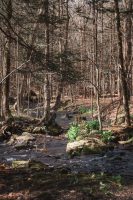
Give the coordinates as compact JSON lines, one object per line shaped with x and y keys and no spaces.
{"x":56,"y":176}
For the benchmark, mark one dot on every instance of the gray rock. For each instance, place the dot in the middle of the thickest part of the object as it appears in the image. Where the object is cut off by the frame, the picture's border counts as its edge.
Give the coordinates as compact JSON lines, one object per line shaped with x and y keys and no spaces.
{"x":22,"y":141}
{"x":25,"y":137}
{"x":89,"y":145}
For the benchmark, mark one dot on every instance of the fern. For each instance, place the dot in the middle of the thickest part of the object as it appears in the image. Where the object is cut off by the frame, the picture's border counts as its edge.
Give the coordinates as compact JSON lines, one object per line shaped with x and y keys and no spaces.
{"x":92,"y":125}
{"x":73,"y":132}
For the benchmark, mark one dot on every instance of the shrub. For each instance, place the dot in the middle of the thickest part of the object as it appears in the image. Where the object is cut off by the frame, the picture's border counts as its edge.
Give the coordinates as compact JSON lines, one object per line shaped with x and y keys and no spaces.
{"x":73,"y":132}
{"x":107,"y":136}
{"x":83,"y":110}
{"x":92,"y":125}
{"x":118,"y":180}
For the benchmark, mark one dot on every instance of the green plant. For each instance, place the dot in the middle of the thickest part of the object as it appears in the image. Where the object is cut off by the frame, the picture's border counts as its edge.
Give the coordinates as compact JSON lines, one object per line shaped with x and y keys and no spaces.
{"x":73,"y":132}
{"x":118,"y":180}
{"x":106,"y":136}
{"x":131,"y":116}
{"x":83,"y":110}
{"x":92,"y":125}
{"x":103,"y":187}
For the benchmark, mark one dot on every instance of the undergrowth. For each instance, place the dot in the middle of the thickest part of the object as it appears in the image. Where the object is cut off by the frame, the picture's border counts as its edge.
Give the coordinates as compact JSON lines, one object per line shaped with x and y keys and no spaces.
{"x":78,"y":131}
{"x":83,"y":109}
{"x":106,"y":136}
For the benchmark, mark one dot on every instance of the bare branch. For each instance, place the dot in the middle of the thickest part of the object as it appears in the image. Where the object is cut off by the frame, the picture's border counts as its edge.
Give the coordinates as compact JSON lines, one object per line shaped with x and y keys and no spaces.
{"x":16,"y":69}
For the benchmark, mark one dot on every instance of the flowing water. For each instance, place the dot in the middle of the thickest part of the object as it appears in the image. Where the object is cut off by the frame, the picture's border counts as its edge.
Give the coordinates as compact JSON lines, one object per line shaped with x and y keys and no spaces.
{"x":52,"y":153}
{"x":74,"y":183}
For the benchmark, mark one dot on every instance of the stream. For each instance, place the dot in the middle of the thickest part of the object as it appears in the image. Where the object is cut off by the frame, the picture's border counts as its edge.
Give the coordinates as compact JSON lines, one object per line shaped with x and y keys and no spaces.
{"x":64,"y":178}
{"x":51,"y":151}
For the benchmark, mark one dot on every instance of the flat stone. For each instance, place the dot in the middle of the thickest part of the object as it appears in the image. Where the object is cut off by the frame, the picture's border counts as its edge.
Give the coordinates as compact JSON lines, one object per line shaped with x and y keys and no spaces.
{"x":25,"y":137}
{"x":20,"y":164}
{"x":32,"y":164}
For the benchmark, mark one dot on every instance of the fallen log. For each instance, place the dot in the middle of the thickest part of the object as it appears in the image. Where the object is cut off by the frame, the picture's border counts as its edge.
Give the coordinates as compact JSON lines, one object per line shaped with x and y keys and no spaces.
{"x":126,"y":141}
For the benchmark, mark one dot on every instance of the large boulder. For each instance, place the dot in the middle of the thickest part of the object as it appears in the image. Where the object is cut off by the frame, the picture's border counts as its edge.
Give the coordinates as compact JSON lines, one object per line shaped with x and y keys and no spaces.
{"x":22,"y":141}
{"x":87,"y":146}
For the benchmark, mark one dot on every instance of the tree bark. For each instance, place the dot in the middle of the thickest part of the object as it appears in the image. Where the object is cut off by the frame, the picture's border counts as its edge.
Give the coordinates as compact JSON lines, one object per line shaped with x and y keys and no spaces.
{"x":122,"y":67}
{"x":128,"y":42}
{"x":7,"y":64}
{"x":48,"y":93}
{"x":95,"y":13}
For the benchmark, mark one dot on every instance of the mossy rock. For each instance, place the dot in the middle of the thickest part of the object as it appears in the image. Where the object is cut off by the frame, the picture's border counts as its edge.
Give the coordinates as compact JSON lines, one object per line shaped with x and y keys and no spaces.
{"x":31,"y":164}
{"x":84,"y":134}
{"x":37,"y":165}
{"x":88,"y":146}
{"x":92,"y":150}
{"x":20,"y":164}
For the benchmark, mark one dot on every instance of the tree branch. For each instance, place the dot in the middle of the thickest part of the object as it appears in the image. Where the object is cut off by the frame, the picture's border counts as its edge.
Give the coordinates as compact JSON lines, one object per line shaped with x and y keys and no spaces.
{"x":16,"y":69}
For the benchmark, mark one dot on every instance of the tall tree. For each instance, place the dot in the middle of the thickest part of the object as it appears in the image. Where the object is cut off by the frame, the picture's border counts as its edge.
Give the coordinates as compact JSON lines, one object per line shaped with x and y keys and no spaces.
{"x":47,"y":81}
{"x":95,"y":15}
{"x":128,"y":41}
{"x":7,"y":61}
{"x":122,"y":67}
{"x":60,"y":86}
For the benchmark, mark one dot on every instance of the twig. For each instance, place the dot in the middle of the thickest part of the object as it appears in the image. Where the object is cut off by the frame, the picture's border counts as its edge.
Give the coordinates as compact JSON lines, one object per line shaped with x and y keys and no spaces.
{"x":14,"y":70}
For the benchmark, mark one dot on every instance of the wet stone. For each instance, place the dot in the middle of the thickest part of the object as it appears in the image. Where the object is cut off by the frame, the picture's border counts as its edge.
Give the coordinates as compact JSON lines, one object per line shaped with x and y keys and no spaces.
{"x":23,"y":141}
{"x":20,"y":164}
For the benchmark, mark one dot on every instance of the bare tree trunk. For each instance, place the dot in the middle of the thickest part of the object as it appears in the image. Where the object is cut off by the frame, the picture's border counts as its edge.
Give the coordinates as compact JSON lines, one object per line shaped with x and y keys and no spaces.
{"x":0,"y":99}
{"x":47,"y":98}
{"x":122,"y":68}
{"x":128,"y":41}
{"x":58,"y":98}
{"x":7,"y":64}
{"x":60,"y":87}
{"x":48,"y":93}
{"x":95,"y":12}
